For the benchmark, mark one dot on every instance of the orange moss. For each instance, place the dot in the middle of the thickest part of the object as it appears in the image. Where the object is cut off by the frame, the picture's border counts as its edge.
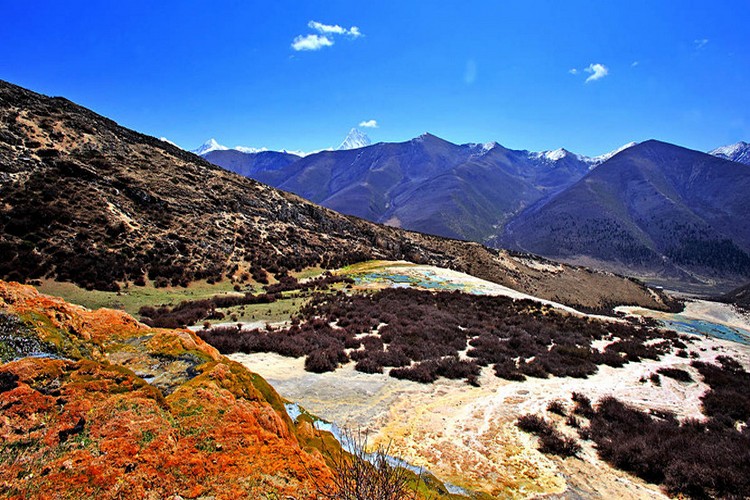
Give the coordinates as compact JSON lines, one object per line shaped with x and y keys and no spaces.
{"x":77,"y":428}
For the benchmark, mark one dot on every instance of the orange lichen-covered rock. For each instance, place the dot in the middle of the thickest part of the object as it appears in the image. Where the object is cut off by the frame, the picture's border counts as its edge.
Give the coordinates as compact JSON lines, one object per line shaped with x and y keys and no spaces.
{"x":83,"y":421}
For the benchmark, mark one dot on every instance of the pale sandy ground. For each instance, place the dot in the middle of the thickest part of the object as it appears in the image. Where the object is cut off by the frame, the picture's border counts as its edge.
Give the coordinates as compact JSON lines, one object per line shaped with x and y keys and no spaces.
{"x":468,"y":283}
{"x":467,"y":435}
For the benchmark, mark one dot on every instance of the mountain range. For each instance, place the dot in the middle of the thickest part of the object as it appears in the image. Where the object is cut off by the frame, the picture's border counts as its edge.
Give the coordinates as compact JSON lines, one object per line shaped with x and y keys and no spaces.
{"x":427,"y":184}
{"x":549,"y":203}
{"x":353,"y":140}
{"x":88,"y":201}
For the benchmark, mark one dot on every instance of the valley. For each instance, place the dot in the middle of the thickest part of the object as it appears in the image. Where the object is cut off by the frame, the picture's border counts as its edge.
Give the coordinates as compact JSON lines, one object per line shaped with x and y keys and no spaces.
{"x":375,"y":250}
{"x":190,"y":295}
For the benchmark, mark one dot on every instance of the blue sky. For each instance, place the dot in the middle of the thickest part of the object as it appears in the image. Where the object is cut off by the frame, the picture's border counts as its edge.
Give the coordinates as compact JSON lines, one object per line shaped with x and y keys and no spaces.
{"x":469,"y":71}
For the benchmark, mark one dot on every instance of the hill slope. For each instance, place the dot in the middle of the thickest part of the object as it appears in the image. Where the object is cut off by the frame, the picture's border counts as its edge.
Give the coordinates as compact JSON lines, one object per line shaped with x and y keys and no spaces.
{"x":89,"y":201}
{"x":654,"y":209}
{"x":740,"y":297}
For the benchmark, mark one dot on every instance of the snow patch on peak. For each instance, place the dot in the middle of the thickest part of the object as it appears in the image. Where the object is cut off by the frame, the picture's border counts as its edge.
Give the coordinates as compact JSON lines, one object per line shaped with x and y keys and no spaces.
{"x":355,"y":140}
{"x":739,"y":152}
{"x":208,"y":146}
{"x":549,"y":156}
{"x":426,"y":136}
{"x":598,"y":160}
{"x":213,"y":145}
{"x":302,"y":154}
{"x":481,"y":148}
{"x":556,"y":154}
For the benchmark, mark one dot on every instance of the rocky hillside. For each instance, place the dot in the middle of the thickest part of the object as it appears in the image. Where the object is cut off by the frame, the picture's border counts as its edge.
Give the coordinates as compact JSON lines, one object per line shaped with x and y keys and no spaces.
{"x":740,"y":297}
{"x":97,"y":405}
{"x":655,"y":209}
{"x":88,"y":201}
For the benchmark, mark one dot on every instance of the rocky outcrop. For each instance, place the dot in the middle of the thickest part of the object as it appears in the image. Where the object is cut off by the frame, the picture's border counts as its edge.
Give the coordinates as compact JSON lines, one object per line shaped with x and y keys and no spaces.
{"x":97,"y":405}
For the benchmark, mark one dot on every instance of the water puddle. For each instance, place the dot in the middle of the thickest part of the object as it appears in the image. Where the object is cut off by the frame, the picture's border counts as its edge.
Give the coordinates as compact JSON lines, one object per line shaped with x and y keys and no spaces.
{"x":702,"y":318}
{"x":706,"y":328}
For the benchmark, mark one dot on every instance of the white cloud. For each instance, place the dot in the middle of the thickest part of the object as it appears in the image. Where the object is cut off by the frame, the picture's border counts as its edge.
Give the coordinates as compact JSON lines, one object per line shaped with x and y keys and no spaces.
{"x":369,"y":124}
{"x":334,"y":29}
{"x":700,"y":43}
{"x":597,"y":70}
{"x":634,"y":64}
{"x":311,"y":42}
{"x":573,"y":71}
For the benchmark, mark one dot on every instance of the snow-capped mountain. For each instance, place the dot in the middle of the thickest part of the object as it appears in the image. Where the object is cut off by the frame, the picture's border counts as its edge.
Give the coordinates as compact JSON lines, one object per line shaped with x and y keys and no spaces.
{"x":355,"y":140}
{"x":739,"y":152}
{"x":208,"y":146}
{"x":552,"y":156}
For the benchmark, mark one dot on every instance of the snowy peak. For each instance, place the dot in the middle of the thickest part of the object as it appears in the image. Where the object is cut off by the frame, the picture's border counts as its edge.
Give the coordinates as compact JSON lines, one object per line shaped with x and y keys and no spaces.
{"x":488,"y":146}
{"x":739,"y":152}
{"x":549,"y":156}
{"x":355,"y":140}
{"x":556,"y":154}
{"x":208,"y":146}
